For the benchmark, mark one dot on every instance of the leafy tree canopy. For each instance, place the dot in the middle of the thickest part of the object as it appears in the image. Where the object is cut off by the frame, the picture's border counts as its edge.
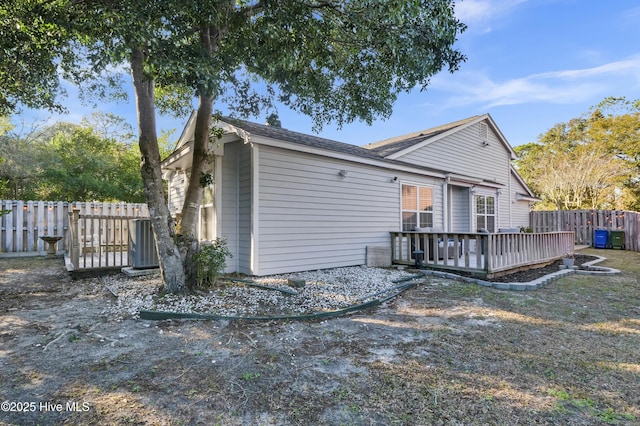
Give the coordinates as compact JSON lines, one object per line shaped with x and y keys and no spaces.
{"x":332,"y":60}
{"x":34,"y":41}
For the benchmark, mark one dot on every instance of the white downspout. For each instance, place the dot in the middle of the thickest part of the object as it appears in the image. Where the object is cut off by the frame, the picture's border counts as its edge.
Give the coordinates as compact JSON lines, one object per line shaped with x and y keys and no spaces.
{"x":217,"y":197}
{"x":255,"y":209}
{"x":445,"y":204}
{"x":510,"y":201}
{"x":472,"y":209}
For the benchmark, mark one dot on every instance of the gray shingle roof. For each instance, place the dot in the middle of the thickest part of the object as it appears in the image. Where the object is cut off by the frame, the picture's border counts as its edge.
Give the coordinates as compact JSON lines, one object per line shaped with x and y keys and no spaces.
{"x":377,"y":151}
{"x":301,"y":138}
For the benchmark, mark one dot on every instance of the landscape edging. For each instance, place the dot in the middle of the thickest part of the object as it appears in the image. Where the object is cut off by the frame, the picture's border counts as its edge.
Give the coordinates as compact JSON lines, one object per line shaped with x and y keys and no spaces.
{"x":535,"y":284}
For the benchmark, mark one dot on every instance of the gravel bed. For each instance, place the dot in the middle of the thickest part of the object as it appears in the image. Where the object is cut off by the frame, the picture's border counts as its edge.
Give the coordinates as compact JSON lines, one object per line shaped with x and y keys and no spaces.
{"x":325,"y":290}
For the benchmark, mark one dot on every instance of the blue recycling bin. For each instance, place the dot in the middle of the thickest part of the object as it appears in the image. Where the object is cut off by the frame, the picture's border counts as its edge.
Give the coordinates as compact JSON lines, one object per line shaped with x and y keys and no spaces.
{"x":600,"y":238}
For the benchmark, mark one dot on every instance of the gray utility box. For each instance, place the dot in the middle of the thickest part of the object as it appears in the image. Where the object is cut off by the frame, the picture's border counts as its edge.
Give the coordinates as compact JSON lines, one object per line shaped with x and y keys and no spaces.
{"x":142,"y":244}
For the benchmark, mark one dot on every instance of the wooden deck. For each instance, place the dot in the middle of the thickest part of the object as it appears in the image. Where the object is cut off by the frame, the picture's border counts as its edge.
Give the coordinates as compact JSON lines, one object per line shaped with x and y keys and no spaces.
{"x":488,"y":255}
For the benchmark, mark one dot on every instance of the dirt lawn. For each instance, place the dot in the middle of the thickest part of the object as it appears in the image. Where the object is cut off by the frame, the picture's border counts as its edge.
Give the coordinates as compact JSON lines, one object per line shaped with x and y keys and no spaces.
{"x":444,"y":352}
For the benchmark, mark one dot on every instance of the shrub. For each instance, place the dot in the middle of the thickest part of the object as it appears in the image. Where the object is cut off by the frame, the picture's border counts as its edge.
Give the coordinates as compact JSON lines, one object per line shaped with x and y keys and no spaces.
{"x":210,"y":261}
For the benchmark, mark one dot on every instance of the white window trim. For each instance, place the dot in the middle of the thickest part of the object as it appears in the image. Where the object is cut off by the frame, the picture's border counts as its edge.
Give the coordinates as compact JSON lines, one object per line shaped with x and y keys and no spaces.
{"x":495,"y":210}
{"x":433,"y":200}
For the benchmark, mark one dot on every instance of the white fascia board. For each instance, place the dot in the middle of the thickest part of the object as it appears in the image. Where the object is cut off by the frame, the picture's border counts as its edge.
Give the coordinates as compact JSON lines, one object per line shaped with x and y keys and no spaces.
{"x":188,"y":131}
{"x":515,"y":173}
{"x":486,"y":184}
{"x":231,"y":129}
{"x":460,"y":180}
{"x":261,"y":140}
{"x":186,"y":149}
{"x":177,"y":155}
{"x":523,"y":197}
{"x":501,"y":137}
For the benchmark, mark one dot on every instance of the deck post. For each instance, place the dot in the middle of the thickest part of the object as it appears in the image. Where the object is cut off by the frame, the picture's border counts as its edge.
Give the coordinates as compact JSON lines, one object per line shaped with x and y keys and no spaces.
{"x":488,"y":253}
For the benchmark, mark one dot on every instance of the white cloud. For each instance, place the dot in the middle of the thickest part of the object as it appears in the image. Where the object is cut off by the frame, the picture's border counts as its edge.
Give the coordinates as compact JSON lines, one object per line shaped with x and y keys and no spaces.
{"x":625,"y":67}
{"x":481,"y":13}
{"x":558,"y":87}
{"x":633,"y":13}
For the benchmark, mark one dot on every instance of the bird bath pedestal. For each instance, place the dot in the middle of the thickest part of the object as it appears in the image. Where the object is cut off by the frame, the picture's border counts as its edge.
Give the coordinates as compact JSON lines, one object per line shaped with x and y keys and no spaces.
{"x":52,"y":244}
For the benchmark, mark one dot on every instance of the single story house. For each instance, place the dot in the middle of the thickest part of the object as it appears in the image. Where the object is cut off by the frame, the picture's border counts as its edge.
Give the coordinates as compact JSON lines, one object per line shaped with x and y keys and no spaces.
{"x":287,"y":201}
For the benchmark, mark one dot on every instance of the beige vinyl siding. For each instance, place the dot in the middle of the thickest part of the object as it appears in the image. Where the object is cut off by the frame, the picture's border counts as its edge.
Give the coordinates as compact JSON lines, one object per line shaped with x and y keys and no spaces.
{"x":177,"y":186}
{"x":503,"y":208}
{"x":519,"y":208}
{"x":312,"y":218}
{"x":462,"y":153}
{"x":230,"y":197}
{"x":244,"y":209}
{"x":520,"y":214}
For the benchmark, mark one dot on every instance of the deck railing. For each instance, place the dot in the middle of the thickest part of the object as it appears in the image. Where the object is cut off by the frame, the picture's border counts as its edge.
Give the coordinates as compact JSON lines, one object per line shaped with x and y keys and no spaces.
{"x":481,"y":253}
{"x":98,"y":241}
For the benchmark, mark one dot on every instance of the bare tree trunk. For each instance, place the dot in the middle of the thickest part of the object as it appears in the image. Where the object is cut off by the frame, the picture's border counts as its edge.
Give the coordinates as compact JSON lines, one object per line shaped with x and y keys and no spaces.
{"x":163,"y":227}
{"x":200,"y":165}
{"x":189,"y":244}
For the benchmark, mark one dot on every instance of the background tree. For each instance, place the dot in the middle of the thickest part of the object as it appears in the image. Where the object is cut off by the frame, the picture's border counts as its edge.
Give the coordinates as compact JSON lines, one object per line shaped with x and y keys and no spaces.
{"x":591,"y":162}
{"x":19,"y":170}
{"x":5,"y":126}
{"x":69,"y":162}
{"x":615,"y":122}
{"x":79,"y":165}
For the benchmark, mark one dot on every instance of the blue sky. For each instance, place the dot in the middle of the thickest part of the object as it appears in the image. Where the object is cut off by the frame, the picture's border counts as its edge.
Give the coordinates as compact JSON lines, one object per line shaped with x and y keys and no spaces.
{"x":531,"y":64}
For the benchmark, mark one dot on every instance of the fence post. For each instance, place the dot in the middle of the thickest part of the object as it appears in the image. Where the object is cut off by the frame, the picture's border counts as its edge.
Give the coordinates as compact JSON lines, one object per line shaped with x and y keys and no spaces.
{"x":74,"y":244}
{"x":8,"y":241}
{"x":18,"y":208}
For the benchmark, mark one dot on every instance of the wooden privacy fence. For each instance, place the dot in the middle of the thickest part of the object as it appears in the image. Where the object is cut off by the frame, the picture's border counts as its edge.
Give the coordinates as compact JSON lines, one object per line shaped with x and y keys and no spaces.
{"x":24,"y":222}
{"x":584,"y":222}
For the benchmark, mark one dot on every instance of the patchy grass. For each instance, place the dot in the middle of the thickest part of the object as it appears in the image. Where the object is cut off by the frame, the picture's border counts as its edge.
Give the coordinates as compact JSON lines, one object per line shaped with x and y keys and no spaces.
{"x":443,"y":353}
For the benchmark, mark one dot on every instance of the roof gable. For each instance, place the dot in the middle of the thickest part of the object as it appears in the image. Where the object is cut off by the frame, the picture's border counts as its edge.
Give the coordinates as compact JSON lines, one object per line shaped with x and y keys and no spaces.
{"x":401,"y":145}
{"x":396,"y":144}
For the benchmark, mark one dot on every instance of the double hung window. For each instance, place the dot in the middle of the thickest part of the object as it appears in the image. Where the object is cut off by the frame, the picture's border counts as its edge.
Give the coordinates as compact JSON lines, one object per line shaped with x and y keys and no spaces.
{"x":485,"y":213}
{"x":417,"y":207}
